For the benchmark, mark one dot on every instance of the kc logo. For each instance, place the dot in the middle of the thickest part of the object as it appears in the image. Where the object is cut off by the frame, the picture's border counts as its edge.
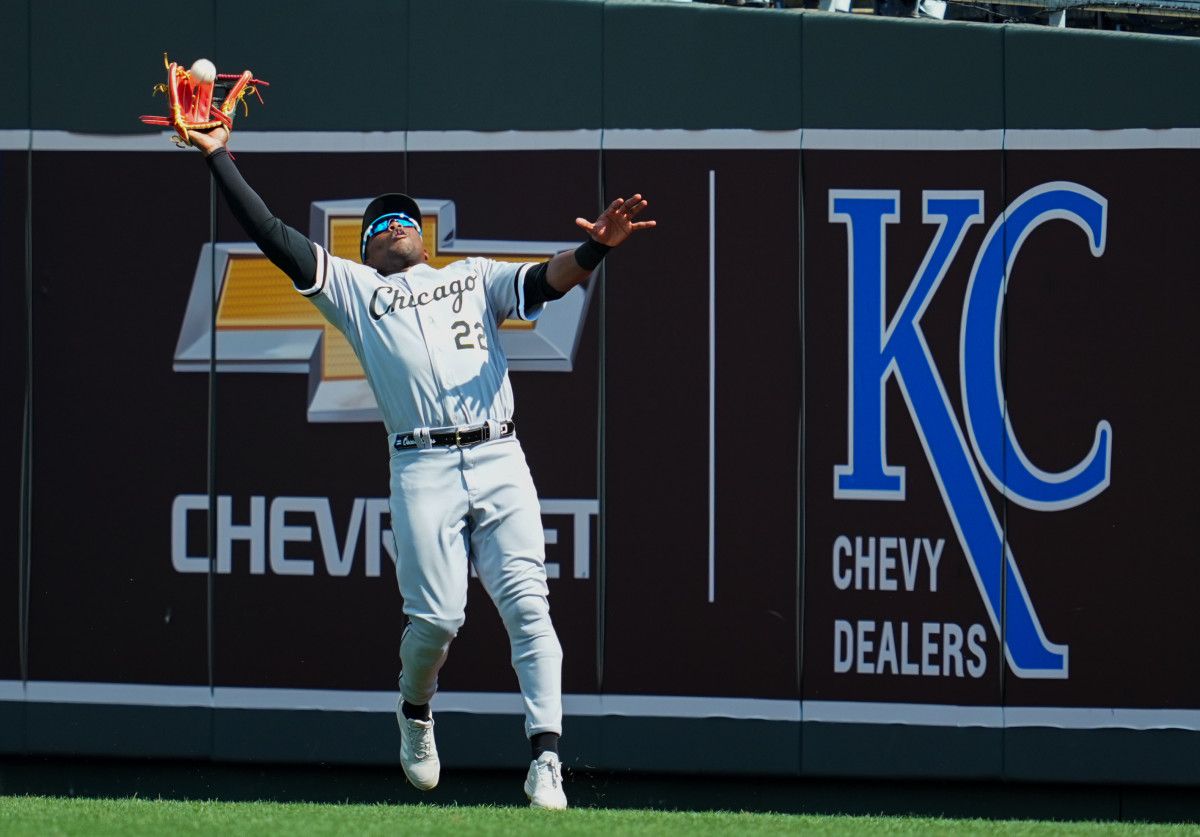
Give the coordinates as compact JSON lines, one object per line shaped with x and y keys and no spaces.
{"x":879,"y":350}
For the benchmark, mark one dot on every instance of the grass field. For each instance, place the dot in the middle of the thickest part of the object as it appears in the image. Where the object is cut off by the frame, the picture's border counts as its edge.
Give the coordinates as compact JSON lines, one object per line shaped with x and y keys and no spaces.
{"x":30,"y":816}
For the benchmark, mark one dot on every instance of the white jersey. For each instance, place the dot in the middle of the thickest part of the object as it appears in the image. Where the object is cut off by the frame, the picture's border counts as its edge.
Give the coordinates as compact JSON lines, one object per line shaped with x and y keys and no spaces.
{"x":428,"y":339}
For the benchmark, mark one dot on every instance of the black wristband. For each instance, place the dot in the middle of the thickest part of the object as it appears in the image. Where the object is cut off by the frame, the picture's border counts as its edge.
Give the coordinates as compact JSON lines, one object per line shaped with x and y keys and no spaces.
{"x":589,"y":254}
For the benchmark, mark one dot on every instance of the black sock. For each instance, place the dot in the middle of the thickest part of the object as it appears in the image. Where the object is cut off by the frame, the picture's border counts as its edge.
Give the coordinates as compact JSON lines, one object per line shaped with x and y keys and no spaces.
{"x":416,"y":713}
{"x":544,"y":742}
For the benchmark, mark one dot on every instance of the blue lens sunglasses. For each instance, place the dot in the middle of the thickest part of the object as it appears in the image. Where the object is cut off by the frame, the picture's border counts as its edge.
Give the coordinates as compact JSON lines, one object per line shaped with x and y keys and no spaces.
{"x":382,"y":223}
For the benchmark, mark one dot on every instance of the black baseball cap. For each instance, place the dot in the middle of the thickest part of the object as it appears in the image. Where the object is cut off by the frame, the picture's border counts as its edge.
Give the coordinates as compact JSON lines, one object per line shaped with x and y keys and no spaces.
{"x":386,"y":205}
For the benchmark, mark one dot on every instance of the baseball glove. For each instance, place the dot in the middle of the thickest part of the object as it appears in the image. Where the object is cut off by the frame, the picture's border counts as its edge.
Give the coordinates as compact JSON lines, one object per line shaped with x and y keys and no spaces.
{"x":199,"y":104}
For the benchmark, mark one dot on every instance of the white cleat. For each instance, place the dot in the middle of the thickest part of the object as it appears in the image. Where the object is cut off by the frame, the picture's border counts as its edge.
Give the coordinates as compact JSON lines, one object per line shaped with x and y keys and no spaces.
{"x":418,"y":752}
{"x":543,"y":784}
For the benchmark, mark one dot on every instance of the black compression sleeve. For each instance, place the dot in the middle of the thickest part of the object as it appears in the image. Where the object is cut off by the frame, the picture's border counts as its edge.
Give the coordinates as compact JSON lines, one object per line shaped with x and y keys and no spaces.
{"x":537,"y":288}
{"x":287,"y":249}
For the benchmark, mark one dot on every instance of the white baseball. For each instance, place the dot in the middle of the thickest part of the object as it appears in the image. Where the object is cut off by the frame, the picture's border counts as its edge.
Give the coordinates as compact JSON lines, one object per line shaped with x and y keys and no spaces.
{"x":203,"y":71}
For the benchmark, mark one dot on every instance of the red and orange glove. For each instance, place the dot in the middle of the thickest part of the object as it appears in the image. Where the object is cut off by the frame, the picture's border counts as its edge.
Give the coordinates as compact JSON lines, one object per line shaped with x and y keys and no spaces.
{"x":200,"y":105}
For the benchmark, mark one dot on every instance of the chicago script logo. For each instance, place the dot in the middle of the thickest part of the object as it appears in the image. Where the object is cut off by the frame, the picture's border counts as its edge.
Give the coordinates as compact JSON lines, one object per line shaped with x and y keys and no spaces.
{"x":880,"y":349}
{"x":388,"y":299}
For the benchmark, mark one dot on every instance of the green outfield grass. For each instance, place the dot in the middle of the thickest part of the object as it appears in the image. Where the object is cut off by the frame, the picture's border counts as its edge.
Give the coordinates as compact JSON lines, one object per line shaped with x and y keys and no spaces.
{"x":50,"y":816}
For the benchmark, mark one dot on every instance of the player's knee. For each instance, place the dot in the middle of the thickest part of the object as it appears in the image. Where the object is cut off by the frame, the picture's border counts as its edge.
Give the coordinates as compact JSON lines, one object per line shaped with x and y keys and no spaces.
{"x":430,"y":633}
{"x":526,"y":615}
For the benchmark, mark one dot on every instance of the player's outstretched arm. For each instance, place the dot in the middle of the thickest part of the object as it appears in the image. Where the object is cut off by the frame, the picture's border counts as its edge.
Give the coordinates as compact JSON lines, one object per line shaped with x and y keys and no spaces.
{"x":287,"y":248}
{"x":568,"y":269}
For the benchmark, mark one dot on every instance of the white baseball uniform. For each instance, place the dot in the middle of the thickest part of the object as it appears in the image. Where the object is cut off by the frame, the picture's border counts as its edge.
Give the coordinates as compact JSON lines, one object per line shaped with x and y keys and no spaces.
{"x":428,"y":340}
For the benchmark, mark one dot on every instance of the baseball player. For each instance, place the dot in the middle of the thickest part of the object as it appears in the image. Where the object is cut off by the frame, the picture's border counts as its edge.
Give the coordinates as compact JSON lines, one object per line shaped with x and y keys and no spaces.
{"x":461,"y":491}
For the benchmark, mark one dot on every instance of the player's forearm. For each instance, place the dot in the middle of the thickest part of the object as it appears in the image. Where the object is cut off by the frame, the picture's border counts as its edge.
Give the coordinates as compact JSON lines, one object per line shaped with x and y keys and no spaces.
{"x":571,"y":267}
{"x":562,"y":273}
{"x":286,"y":247}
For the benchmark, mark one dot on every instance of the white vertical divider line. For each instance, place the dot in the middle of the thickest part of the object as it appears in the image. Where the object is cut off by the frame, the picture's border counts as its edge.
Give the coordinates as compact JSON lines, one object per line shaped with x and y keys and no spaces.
{"x":712,"y":385}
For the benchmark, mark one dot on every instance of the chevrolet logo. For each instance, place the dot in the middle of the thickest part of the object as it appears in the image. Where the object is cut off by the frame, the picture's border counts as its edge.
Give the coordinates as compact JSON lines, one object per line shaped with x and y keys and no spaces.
{"x":263,"y":325}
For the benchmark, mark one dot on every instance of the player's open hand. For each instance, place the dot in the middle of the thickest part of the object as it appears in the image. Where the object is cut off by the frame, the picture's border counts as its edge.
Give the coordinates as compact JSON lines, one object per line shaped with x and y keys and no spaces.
{"x":617,"y":224}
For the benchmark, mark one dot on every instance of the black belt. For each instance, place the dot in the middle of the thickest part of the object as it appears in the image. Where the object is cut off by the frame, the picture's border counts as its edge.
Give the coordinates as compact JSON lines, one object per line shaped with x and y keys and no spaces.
{"x":455,"y":437}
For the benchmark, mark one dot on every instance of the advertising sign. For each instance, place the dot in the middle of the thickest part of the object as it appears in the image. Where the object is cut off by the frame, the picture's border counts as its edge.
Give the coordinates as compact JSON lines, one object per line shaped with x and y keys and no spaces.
{"x":985,"y":490}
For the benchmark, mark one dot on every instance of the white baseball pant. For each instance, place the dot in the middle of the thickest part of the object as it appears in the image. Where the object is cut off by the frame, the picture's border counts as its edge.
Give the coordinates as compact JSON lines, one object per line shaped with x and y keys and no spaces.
{"x":451,"y":506}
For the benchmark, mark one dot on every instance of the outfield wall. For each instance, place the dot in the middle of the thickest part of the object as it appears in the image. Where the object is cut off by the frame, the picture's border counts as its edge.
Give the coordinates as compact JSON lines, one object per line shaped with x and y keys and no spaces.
{"x":874,"y":457}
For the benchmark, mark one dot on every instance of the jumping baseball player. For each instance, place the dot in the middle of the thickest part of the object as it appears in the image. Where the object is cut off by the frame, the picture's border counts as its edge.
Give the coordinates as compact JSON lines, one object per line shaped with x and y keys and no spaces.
{"x":461,"y":491}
